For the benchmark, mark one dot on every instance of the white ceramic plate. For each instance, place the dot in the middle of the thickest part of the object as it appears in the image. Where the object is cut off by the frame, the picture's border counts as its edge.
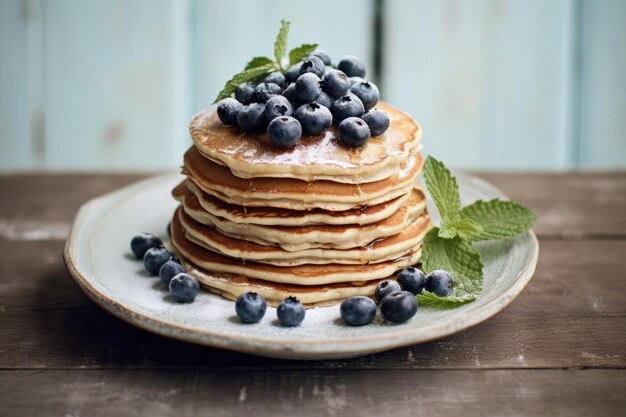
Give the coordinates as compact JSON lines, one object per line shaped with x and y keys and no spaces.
{"x":99,"y":259}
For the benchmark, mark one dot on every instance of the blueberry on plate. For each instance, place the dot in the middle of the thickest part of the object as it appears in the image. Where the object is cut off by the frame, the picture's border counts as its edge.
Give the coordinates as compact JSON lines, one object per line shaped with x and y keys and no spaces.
{"x":324,"y":100}
{"x":290,"y":94}
{"x":386,"y":287}
{"x":313,"y":64}
{"x":154,"y":259}
{"x":367,"y":92}
{"x":314,"y":118}
{"x":293,"y":72}
{"x":250,"y":307}
{"x":170,"y":269}
{"x":439,"y":282}
{"x":251,"y":118}
{"x":308,"y":87}
{"x":377,"y":120}
{"x":278,"y":106}
{"x":244,"y":92}
{"x":336,"y":83}
{"x":347,"y":106}
{"x":264,"y":91}
{"x":290,"y":312}
{"x":184,"y":288}
{"x":353,"y":132}
{"x":358,"y":310}
{"x":277,"y":78}
{"x":398,"y":307}
{"x":228,"y":109}
{"x":412,"y":280}
{"x":352,"y":66}
{"x":142,"y":242}
{"x":284,"y":131}
{"x":323,"y":56}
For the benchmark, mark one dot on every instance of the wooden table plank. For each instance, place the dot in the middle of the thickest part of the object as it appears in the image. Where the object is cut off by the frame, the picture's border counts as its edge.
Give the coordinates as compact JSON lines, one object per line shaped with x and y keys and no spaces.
{"x":314,"y":393}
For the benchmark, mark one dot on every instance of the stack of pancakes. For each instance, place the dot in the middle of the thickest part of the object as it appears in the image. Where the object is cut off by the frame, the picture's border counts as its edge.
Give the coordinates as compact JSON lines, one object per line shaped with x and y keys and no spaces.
{"x":318,"y":221}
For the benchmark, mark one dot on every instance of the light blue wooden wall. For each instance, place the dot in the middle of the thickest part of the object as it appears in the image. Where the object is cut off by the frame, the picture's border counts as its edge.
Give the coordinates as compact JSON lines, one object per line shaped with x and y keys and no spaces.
{"x":496,"y":84}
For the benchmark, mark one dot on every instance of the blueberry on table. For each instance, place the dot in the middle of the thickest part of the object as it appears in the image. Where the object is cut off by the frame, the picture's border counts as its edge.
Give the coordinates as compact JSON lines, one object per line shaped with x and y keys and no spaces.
{"x":439,"y":282}
{"x":228,"y":109}
{"x":412,"y":280}
{"x":284,"y":131}
{"x":170,"y":269}
{"x":278,"y":106}
{"x":352,"y":66}
{"x":335,"y":83}
{"x":358,"y":310}
{"x":184,"y":288}
{"x":277,"y":78}
{"x":353,"y":132}
{"x":386,"y":287}
{"x":251,"y":118}
{"x":377,"y":120}
{"x":264,"y":91}
{"x":293,"y":72}
{"x":314,"y":65}
{"x":290,"y":312}
{"x":250,"y":307}
{"x":323,"y":56}
{"x":398,"y":307}
{"x":244,"y":93}
{"x":367,"y":92}
{"x":142,"y":242}
{"x":324,"y":100}
{"x":347,"y":106}
{"x":154,"y":259}
{"x":314,"y":118}
{"x":308,"y":87}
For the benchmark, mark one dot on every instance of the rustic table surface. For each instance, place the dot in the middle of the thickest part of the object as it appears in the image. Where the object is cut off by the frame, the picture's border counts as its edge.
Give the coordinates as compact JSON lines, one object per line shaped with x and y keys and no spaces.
{"x":558,"y":349}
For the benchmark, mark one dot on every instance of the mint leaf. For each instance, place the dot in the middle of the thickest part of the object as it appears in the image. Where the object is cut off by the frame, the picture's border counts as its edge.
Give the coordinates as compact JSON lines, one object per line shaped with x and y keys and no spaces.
{"x":457,"y":257}
{"x":280,"y":45}
{"x":498,"y":219}
{"x":458,"y":226}
{"x":258,"y":61}
{"x":301,"y":52}
{"x":243,"y":77}
{"x":442,"y":187}
{"x":428,"y":299}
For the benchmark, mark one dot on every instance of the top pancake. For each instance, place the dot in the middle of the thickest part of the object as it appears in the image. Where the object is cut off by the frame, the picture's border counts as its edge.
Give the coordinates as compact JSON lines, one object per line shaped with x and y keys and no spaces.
{"x":314,"y":157}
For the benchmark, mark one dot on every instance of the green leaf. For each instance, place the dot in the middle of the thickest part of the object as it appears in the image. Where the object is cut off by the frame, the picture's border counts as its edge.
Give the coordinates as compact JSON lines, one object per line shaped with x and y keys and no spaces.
{"x":280,"y":45}
{"x":442,"y":187}
{"x":301,"y":52}
{"x":498,"y":219}
{"x":258,"y":61}
{"x":428,"y":299}
{"x":243,"y":77}
{"x":457,"y":257}
{"x":458,"y":226}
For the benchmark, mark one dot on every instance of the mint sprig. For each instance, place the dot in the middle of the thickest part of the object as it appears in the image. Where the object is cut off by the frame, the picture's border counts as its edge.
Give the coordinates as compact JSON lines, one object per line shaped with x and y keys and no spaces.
{"x":260,"y":66}
{"x":449,"y":246}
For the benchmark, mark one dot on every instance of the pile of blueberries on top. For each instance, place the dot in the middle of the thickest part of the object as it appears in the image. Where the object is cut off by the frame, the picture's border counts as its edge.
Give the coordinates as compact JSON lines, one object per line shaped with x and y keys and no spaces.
{"x":308,"y":98}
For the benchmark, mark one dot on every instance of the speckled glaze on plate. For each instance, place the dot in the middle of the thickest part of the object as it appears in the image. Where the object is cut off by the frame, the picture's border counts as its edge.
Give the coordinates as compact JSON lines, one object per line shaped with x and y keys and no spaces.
{"x":98,"y":257}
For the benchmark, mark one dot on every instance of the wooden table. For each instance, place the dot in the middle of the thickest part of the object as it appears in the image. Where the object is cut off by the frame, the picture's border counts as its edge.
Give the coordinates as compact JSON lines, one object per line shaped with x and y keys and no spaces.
{"x":558,"y":349}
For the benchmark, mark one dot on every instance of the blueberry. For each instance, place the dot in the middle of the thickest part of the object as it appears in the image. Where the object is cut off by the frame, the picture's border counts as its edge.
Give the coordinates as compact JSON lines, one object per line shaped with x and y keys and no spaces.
{"x":284,"y":131}
{"x":228,"y":109}
{"x":355,"y":80}
{"x":352,"y":66}
{"x":347,"y":106}
{"x":250,"y":307}
{"x":290,"y":312}
{"x":412,"y":280}
{"x":358,"y":310}
{"x":184,"y":288}
{"x":398,"y":307}
{"x":353,"y":132}
{"x":277,"y":78}
{"x":264,"y":91}
{"x":169,"y":269}
{"x":377,"y":120}
{"x":244,"y":93}
{"x":251,"y":118}
{"x":323,"y":56}
{"x":367,"y":92}
{"x":308,"y":87}
{"x":293,"y":72}
{"x":313,"y":64}
{"x":142,"y":242}
{"x":336,"y":83}
{"x":291,"y":95}
{"x":439,"y":282}
{"x":324,"y":100}
{"x":314,"y":118}
{"x":385,"y":288}
{"x":154,"y":259}
{"x":278,"y":106}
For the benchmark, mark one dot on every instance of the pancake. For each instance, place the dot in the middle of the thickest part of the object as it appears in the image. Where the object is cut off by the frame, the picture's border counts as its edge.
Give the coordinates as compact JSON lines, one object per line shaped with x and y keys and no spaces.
{"x":297,"y":238}
{"x":289,"y":193}
{"x":314,"y":158}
